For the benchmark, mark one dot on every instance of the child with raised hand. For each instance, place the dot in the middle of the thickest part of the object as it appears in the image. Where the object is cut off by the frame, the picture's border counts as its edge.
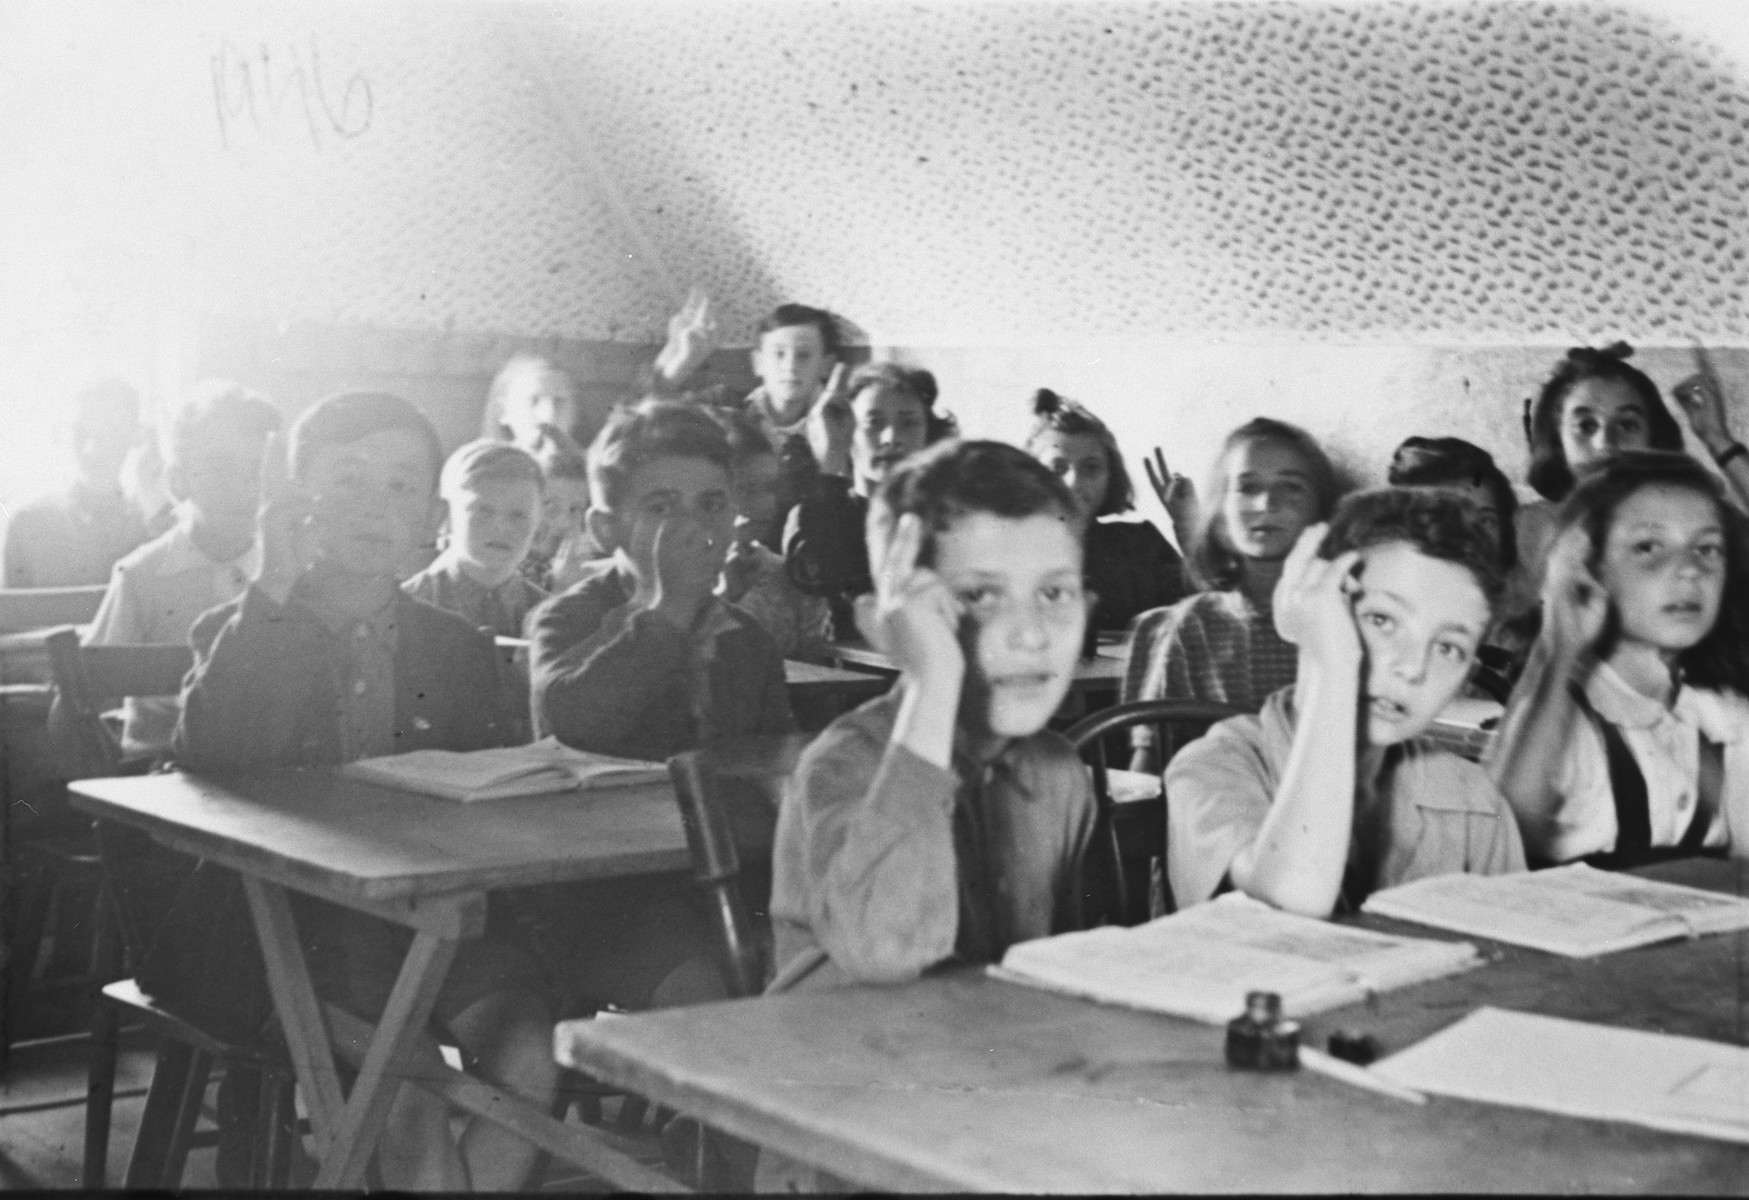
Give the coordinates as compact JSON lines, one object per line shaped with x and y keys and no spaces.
{"x":640,"y":658}
{"x":1594,"y":406}
{"x":212,"y":467}
{"x":1329,"y":793}
{"x":1702,"y":397}
{"x":893,"y":416}
{"x":1271,"y":482}
{"x":1627,"y":739}
{"x":1130,"y":566}
{"x":493,"y":493}
{"x":754,"y":578}
{"x":323,"y":660}
{"x":943,"y":820}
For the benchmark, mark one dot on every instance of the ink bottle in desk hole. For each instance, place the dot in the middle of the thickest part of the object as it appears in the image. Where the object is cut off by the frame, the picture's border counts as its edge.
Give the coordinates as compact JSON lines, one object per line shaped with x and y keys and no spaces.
{"x":1260,"y":1040}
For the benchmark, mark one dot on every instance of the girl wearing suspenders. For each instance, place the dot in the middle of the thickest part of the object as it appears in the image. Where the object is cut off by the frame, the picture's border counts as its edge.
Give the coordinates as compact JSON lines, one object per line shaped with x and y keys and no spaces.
{"x":1627,"y":739}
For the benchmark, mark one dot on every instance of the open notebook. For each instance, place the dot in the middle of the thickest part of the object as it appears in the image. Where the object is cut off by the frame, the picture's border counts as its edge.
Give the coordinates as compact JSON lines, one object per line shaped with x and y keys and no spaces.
{"x":533,"y":770}
{"x":1575,"y":910}
{"x":1200,"y":962}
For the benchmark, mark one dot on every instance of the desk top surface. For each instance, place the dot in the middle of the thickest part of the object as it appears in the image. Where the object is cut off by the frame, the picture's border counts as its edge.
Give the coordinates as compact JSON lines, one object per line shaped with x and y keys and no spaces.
{"x":965,"y":1082}
{"x":316,"y":830}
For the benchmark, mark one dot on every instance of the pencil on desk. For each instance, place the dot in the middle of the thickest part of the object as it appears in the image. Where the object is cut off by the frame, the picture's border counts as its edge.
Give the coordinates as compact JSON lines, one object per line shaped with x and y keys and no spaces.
{"x":1347,"y":1072}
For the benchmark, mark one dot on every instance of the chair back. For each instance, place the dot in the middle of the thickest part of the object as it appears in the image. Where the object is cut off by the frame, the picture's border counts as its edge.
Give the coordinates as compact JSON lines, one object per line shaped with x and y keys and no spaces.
{"x":91,"y":679}
{"x":1133,"y":835}
{"x":26,"y":609}
{"x":729,"y":796}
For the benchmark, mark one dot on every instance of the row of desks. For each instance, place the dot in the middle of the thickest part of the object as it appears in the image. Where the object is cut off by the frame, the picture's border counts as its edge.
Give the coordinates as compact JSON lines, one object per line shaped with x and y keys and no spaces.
{"x":956,"y":1082}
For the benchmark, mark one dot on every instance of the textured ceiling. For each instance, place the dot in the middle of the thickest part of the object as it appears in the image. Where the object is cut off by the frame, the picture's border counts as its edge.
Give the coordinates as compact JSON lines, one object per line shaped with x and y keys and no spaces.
{"x":942,"y":173}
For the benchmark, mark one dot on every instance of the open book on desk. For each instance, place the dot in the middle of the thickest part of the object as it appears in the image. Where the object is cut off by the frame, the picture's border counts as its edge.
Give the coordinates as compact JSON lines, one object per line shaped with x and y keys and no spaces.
{"x":1575,"y":910}
{"x":534,"y":770}
{"x":1200,"y":962}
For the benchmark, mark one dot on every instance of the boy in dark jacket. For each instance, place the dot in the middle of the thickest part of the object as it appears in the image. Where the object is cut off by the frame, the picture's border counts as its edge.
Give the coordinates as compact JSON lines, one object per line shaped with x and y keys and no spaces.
{"x":324,"y":660}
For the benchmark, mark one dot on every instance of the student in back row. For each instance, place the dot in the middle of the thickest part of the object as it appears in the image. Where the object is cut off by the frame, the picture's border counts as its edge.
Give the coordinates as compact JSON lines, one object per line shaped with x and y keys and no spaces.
{"x":1271,"y":481}
{"x":324,"y":660}
{"x":493,"y":493}
{"x":74,"y":537}
{"x":213,"y":469}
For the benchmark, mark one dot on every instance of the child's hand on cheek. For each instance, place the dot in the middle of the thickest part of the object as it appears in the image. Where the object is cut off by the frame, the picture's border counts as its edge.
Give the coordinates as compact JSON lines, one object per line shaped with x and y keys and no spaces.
{"x":283,"y":524}
{"x":913,"y":618}
{"x":1575,"y":604}
{"x":1314,"y":607}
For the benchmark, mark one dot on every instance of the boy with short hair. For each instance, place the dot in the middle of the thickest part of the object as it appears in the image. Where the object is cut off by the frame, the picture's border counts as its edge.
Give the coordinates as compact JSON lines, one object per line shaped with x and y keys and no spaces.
{"x":943,"y":820}
{"x":493,"y":490}
{"x":74,"y":537}
{"x":1330,"y":793}
{"x":324,"y":660}
{"x":212,"y":463}
{"x":640,"y":658}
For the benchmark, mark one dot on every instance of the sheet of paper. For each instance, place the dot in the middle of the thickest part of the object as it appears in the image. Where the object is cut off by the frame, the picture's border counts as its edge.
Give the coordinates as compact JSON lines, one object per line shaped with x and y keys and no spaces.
{"x":1523,"y":1060}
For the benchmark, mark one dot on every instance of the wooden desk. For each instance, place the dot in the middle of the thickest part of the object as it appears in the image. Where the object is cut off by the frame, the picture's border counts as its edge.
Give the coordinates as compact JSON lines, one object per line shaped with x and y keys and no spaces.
{"x":1102,"y":672}
{"x":414,"y":860}
{"x":829,"y":689}
{"x":961,"y":1082}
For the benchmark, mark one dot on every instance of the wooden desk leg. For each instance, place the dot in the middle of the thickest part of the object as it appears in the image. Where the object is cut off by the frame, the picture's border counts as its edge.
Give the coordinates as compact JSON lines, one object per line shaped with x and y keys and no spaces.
{"x":379,"y":1078}
{"x":300,"y":1013}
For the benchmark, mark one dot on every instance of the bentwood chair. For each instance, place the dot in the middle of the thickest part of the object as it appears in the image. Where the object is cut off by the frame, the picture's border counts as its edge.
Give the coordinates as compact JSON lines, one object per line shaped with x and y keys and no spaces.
{"x":1132,"y":832}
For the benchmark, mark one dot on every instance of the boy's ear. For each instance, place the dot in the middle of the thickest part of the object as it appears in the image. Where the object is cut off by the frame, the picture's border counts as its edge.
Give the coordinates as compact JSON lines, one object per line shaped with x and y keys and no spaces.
{"x":603,"y":527}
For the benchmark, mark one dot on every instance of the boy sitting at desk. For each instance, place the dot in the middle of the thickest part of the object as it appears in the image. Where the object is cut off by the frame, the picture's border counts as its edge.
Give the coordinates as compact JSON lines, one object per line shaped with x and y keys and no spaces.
{"x":1330,"y":793}
{"x":324,"y":660}
{"x":640,"y":658}
{"x":213,"y":469}
{"x":943,"y":821}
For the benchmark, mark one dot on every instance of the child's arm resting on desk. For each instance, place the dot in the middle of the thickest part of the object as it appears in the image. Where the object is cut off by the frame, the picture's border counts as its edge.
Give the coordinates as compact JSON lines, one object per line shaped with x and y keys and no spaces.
{"x":594,"y":674}
{"x":244,"y":699}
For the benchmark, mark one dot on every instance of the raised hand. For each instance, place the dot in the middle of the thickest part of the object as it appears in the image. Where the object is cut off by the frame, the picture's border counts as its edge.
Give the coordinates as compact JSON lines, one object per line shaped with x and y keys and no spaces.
{"x":283,"y":525}
{"x":912,"y":617}
{"x":831,"y":424}
{"x":1176,"y":492}
{"x":1314,"y":602}
{"x":1701,"y":397}
{"x":1575,"y":604}
{"x":692,"y":337}
{"x":675,"y":573}
{"x":742,"y":565}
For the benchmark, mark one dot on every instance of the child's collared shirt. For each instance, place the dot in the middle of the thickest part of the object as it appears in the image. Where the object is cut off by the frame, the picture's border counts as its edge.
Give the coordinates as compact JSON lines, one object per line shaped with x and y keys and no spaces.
{"x":615,"y":680}
{"x":156,"y":593}
{"x":502,"y":609}
{"x":1665,"y":744}
{"x":1425,"y":812}
{"x":885,"y":864}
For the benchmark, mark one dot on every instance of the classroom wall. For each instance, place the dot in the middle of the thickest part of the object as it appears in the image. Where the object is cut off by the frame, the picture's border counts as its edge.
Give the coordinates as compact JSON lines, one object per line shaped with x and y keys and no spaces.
{"x":1373,"y":219}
